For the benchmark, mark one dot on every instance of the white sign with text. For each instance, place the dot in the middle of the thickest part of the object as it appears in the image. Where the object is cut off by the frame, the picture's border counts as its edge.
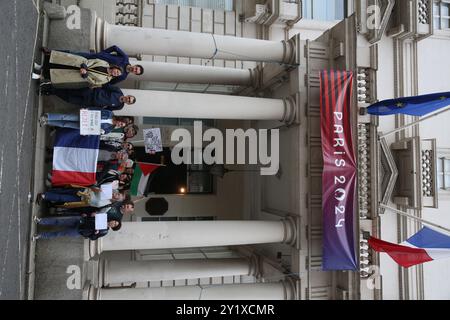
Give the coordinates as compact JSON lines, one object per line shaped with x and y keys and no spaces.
{"x":90,"y":122}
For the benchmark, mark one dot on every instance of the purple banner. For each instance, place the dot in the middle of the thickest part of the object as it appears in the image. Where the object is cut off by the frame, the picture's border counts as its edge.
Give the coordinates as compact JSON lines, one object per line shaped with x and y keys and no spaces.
{"x":340,"y":172}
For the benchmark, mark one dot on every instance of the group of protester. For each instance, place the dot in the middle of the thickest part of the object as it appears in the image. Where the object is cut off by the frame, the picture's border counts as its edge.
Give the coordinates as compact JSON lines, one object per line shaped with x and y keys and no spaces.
{"x":87,"y":81}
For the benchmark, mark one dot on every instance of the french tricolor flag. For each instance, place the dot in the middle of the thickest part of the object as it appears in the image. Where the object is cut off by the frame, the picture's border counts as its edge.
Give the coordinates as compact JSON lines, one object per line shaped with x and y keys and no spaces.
{"x":425,"y":246}
{"x":75,"y":158}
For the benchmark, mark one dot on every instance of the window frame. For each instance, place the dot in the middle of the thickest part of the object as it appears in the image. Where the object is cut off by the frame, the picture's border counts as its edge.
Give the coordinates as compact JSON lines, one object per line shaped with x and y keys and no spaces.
{"x":440,"y":17}
{"x":308,"y":7}
{"x":442,"y":174}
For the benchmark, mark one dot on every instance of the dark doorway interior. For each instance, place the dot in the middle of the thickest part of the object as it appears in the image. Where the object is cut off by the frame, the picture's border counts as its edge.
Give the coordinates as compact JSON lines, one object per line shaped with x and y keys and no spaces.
{"x":175,"y":179}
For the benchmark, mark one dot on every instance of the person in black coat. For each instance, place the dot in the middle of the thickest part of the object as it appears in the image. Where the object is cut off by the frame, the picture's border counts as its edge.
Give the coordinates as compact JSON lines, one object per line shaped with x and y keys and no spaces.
{"x":75,"y":226}
{"x":108,"y":97}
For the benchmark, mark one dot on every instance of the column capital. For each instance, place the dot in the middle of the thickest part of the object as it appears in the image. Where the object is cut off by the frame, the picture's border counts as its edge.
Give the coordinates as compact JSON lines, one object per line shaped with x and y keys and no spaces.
{"x":99,"y":36}
{"x":291,"y":287}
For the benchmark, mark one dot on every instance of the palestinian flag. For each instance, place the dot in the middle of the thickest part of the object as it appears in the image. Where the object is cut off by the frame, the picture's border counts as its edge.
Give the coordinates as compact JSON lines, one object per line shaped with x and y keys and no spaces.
{"x":141,"y":175}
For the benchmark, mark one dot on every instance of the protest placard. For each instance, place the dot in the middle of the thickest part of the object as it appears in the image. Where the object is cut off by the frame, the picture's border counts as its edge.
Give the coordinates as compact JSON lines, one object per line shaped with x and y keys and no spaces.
{"x":153,"y":140}
{"x":90,"y":122}
{"x":101,"y":221}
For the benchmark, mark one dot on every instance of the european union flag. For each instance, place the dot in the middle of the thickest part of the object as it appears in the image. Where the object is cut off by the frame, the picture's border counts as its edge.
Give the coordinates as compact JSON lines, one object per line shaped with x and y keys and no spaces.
{"x":413,"y":106}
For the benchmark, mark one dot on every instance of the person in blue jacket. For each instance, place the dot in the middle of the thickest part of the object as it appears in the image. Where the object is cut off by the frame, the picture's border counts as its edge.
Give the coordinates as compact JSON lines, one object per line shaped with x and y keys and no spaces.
{"x":115,"y":56}
{"x":108,"y":97}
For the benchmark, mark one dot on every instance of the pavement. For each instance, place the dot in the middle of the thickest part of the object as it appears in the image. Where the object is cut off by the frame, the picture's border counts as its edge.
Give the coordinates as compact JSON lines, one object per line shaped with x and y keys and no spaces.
{"x":55,"y":264}
{"x":20,"y":40}
{"x":30,"y":270}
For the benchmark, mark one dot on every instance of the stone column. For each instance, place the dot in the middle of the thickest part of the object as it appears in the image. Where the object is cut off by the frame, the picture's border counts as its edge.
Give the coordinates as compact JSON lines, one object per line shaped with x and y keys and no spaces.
{"x":169,"y":104}
{"x":189,"y":73}
{"x":149,"y":41}
{"x":284,"y":290}
{"x":116,"y":272}
{"x":194,"y":234}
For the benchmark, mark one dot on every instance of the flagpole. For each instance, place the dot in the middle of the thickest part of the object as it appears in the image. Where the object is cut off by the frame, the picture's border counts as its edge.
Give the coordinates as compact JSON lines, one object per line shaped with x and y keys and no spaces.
{"x":413,"y":123}
{"x":402,"y":213}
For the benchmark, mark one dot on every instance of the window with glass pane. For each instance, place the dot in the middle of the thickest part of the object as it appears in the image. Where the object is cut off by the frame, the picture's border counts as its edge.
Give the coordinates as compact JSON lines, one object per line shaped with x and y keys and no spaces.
{"x":441,"y":12}
{"x":324,"y":10}
{"x":444,"y":173}
{"x":226,"y":5}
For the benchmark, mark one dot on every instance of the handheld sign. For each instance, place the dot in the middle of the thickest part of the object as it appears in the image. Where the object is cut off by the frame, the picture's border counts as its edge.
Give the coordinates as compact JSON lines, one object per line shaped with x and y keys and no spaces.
{"x":90,"y":122}
{"x":101,"y":221}
{"x":153,"y":140}
{"x":106,"y":191}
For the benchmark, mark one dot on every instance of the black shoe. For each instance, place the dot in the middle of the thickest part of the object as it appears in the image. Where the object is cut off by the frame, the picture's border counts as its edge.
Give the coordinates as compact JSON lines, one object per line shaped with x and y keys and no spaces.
{"x":46,"y":89}
{"x":45,"y":84}
{"x":39,"y":199}
{"x":46,"y":50}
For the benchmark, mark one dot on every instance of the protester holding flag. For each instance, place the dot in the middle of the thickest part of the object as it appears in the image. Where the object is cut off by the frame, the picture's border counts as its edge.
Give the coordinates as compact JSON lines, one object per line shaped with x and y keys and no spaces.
{"x":83,"y":197}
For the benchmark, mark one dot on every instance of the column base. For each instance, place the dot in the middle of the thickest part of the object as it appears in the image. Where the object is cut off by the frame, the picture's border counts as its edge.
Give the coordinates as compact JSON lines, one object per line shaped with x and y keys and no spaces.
{"x":255,"y":266}
{"x":292,"y":288}
{"x":100,"y":29}
{"x":90,"y":292}
{"x":92,"y":249}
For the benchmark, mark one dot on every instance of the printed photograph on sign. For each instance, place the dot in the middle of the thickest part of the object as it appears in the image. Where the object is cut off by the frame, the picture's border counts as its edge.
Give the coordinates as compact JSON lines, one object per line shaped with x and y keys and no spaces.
{"x":153,"y":140}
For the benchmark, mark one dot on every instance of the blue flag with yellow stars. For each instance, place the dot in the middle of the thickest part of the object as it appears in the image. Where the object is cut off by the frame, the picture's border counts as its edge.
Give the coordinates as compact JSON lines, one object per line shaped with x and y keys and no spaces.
{"x":413,"y":106}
